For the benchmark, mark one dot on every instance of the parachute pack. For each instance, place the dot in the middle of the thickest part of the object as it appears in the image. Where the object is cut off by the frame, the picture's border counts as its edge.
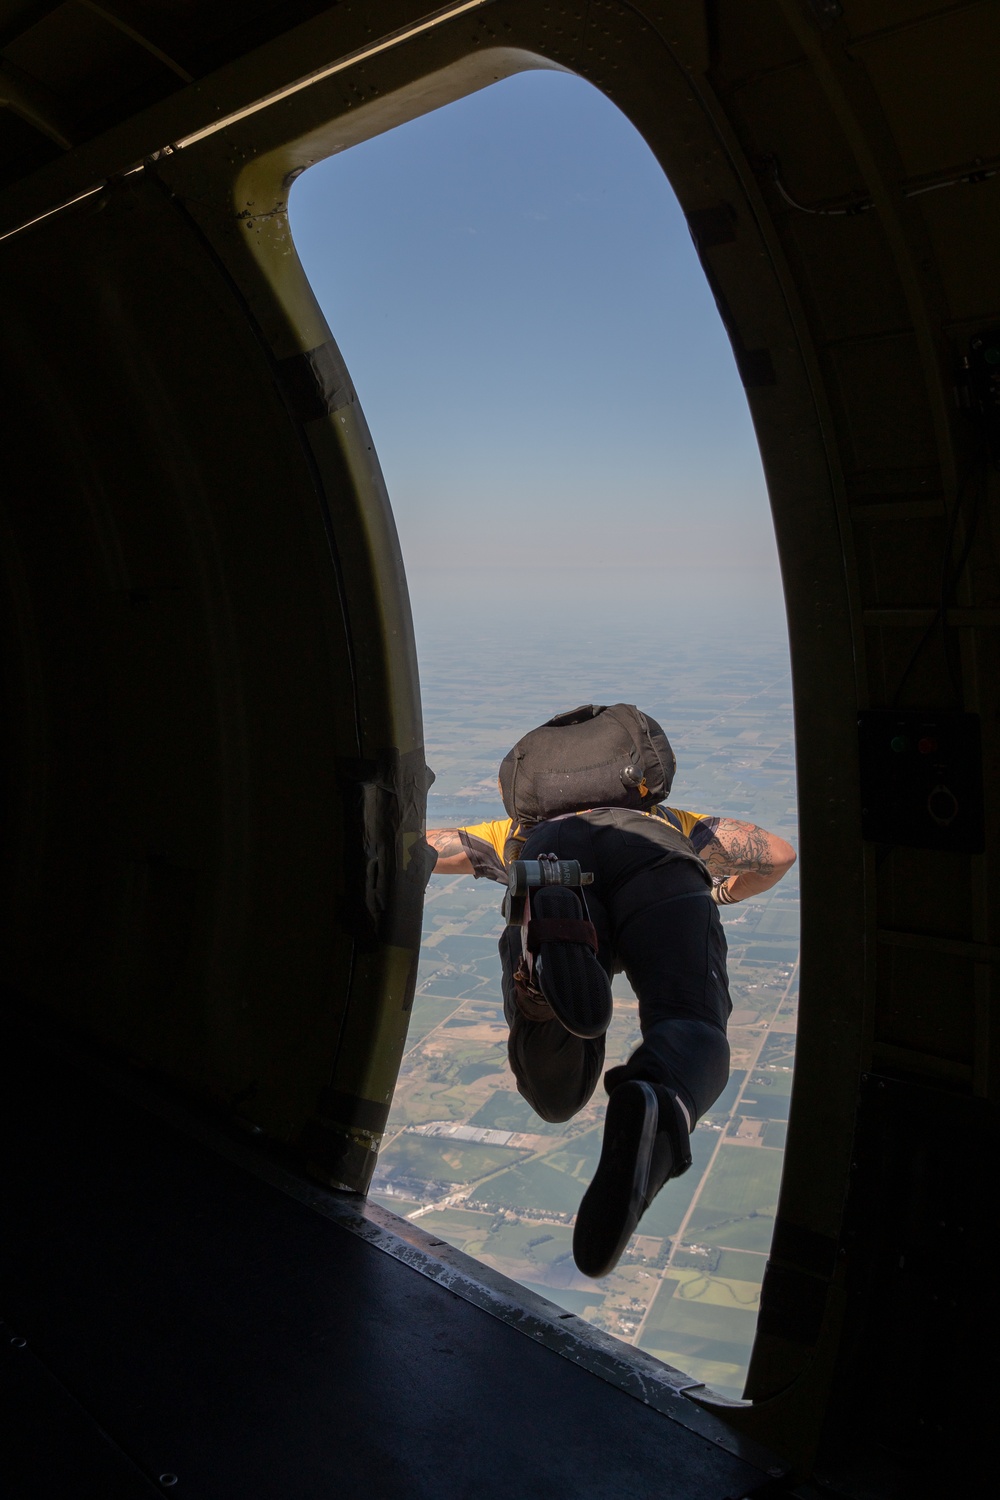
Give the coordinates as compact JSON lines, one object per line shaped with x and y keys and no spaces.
{"x":593,"y":756}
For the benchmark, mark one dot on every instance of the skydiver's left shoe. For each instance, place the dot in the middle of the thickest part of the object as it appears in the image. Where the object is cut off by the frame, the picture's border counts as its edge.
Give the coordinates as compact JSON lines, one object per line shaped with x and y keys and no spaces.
{"x":567,"y":969}
{"x":646,"y":1142}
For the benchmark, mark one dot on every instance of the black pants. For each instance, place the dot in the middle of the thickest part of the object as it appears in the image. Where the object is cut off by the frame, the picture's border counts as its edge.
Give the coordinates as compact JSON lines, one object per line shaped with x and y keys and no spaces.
{"x":656,"y":921}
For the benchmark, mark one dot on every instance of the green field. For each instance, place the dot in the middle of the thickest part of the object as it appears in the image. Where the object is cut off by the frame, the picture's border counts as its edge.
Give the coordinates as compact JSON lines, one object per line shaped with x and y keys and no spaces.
{"x":687,"y":1351}
{"x":456,"y":1225}
{"x":465,"y":1051}
{"x":779,"y":921}
{"x":764,"y":951}
{"x":699,"y":1322}
{"x":437,"y":1159}
{"x":775,"y":1133}
{"x":679,"y":1348}
{"x":533,"y":1188}
{"x":464,"y":897}
{"x":778,"y":1051}
{"x":751,"y":1233}
{"x":463,"y":948}
{"x":739,"y":1265}
{"x":488,"y":924}
{"x":765,"y":1106}
{"x":428,"y":1011}
{"x":743,"y":1179}
{"x":455,"y":985}
{"x":506,"y":1110}
{"x":539,"y":1244}
{"x":578,"y":1158}
{"x":472,"y":1072}
{"x":769,"y":1082}
{"x":400,"y":1206}
{"x":559,"y":1247}
{"x":488,"y":970}
{"x":574,"y":1302}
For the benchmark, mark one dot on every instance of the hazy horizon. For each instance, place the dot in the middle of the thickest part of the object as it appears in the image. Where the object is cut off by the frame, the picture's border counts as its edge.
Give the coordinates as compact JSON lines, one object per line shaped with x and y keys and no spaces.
{"x":569,"y":602}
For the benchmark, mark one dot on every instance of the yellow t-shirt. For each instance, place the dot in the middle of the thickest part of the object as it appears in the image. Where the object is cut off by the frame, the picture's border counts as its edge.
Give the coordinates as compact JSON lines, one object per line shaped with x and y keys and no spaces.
{"x":484,"y":842}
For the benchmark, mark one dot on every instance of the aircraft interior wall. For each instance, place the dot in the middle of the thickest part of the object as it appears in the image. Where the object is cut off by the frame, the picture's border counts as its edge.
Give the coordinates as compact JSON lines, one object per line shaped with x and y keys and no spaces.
{"x":214,"y":773}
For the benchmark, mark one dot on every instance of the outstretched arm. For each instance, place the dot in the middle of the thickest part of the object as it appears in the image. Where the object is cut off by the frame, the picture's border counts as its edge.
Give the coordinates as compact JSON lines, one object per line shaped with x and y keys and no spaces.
{"x":451,"y":856}
{"x":745,"y":860}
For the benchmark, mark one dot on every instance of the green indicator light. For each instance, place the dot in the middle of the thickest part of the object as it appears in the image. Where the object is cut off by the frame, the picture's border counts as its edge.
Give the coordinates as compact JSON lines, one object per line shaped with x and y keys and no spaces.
{"x":900,"y":744}
{"x":992,"y":354}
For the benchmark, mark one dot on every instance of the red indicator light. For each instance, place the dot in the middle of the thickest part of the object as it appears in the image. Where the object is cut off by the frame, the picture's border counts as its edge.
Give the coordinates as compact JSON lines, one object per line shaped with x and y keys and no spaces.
{"x":926,"y":746}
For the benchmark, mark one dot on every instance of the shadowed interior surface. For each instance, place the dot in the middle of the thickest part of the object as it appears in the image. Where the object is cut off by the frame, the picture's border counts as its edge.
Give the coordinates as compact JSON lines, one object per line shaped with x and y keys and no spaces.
{"x":213,"y":766}
{"x":212,"y":1325}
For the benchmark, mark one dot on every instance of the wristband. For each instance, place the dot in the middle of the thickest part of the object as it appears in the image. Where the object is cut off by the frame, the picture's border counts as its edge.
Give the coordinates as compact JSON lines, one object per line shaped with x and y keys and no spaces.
{"x":721,"y":896}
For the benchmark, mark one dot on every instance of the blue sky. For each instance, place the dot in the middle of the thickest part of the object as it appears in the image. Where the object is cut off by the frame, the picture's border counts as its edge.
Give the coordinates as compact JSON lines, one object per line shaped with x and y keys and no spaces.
{"x":538,"y":355}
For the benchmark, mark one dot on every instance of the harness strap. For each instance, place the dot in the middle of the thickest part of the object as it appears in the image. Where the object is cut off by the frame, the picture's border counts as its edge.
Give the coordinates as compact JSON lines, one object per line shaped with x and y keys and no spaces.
{"x":560,"y":930}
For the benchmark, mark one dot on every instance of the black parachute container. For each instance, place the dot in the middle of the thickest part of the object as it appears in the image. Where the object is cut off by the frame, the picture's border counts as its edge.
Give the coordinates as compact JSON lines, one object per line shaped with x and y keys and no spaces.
{"x":592,"y":756}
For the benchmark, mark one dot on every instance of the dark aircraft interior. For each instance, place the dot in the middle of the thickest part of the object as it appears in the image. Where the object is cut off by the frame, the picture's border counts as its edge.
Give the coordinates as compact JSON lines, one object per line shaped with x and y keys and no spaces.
{"x":214,"y":778}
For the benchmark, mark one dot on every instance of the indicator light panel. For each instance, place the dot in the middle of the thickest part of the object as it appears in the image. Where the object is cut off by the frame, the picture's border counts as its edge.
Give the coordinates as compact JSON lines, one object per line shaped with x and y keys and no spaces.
{"x":921,"y":779}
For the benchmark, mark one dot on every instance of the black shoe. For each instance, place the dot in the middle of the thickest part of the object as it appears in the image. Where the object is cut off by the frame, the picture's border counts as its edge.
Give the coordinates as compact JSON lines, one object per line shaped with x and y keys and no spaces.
{"x":645,"y":1144}
{"x":568,"y":973}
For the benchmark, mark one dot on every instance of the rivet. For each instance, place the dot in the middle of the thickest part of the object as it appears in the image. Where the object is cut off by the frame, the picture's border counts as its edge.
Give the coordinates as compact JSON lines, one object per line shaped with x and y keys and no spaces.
{"x":168,"y":1480}
{"x":18,"y":1343}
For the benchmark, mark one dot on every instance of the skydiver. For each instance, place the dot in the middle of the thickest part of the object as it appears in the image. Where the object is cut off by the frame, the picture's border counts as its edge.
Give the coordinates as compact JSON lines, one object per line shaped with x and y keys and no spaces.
{"x":660,"y":876}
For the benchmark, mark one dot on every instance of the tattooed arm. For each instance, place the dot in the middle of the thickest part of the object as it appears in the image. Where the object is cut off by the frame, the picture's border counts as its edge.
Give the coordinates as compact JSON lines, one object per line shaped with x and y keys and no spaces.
{"x":745,"y":860}
{"x":451,"y":856}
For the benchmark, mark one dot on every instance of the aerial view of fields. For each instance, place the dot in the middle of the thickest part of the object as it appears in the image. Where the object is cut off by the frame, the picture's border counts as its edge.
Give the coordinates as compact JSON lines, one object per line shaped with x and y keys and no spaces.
{"x":467,"y":1158}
